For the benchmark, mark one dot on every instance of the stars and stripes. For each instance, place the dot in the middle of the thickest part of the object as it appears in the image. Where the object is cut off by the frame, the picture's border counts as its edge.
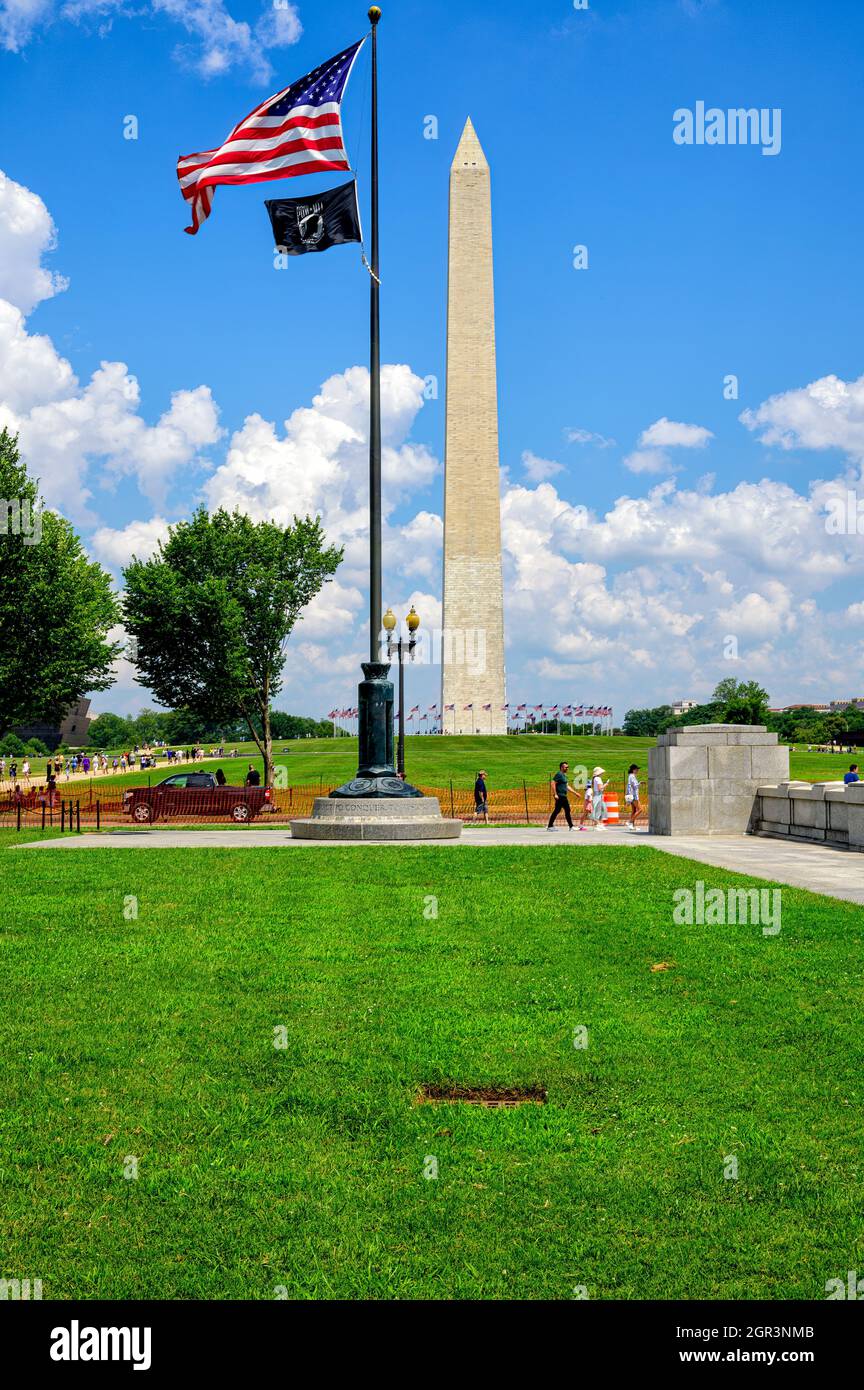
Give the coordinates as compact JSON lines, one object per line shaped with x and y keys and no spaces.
{"x":297,"y":131}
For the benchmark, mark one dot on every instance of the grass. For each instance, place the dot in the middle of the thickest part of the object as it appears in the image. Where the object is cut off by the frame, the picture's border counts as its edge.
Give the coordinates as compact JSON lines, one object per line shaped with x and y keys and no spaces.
{"x":303,"y":1166}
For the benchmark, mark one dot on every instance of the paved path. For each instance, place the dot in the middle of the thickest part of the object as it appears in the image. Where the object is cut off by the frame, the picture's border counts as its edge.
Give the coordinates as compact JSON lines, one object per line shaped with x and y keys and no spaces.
{"x":834,"y":872}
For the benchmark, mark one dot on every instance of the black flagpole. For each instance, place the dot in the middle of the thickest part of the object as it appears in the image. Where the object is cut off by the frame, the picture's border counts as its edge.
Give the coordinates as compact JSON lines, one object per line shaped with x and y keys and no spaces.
{"x":376,"y":609}
{"x":376,"y":774}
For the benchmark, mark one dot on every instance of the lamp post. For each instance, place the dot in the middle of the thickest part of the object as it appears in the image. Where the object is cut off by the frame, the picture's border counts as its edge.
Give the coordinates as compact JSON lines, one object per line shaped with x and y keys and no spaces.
{"x":412,"y":622}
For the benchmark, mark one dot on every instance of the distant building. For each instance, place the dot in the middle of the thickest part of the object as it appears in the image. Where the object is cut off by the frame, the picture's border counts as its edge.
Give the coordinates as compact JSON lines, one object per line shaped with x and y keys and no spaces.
{"x":682,"y":706}
{"x":792,"y":709}
{"x":72,"y":731}
{"x":838,"y":706}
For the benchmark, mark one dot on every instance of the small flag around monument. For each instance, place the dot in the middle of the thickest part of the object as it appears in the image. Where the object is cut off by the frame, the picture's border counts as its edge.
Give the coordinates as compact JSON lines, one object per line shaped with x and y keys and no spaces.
{"x":316,"y":223}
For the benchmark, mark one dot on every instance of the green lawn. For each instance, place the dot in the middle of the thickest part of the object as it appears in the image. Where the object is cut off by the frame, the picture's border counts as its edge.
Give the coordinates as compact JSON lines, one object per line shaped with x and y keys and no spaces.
{"x":303,"y":1166}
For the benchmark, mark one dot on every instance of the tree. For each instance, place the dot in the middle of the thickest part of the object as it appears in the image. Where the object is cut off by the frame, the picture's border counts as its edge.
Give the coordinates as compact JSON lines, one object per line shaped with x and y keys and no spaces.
{"x":743,"y":702}
{"x":648,"y":723}
{"x":211,"y":613}
{"x":56,"y":606}
{"x":109,"y":731}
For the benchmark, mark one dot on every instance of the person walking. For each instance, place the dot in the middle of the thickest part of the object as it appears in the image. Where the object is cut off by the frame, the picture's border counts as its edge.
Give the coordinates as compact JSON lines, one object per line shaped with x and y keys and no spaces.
{"x":562,"y":797}
{"x":253,"y":776}
{"x":598,"y":803}
{"x":587,"y":803}
{"x":481,"y":797}
{"x":25,"y":771}
{"x":631,"y":795}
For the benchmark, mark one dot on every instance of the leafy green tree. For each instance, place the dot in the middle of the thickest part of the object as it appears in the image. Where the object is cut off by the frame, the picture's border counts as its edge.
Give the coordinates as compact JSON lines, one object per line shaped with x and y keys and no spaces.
{"x":56,"y":606}
{"x":743,"y":702}
{"x":12,"y":747}
{"x":212,"y":611}
{"x":109,"y":731}
{"x":648,"y":723}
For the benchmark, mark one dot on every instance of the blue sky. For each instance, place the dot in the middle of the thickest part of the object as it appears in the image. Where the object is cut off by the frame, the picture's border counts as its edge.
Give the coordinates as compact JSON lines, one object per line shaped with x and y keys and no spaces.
{"x":703,"y":261}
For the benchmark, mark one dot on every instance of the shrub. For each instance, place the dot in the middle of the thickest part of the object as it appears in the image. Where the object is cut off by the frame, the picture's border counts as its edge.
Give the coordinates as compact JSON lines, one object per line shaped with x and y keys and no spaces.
{"x":12,"y":746}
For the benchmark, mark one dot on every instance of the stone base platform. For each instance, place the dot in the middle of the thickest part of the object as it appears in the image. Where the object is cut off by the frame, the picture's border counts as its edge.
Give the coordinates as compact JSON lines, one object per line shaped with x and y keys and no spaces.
{"x":411,"y":818}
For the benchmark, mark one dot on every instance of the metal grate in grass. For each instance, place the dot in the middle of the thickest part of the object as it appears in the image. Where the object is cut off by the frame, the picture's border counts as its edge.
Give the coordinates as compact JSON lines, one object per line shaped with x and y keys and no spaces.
{"x":490,"y":1096}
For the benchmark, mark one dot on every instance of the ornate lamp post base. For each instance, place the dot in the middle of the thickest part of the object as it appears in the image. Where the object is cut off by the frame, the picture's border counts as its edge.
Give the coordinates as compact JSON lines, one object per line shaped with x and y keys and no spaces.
{"x":376,"y":774}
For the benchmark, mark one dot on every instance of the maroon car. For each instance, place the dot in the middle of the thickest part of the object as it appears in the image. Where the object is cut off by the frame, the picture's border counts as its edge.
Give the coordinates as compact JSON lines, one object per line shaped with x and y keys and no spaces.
{"x":194,"y":794}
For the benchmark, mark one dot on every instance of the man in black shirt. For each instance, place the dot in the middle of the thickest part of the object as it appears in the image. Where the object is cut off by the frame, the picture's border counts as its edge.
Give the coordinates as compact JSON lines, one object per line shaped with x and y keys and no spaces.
{"x":562,"y":797}
{"x":481,"y":797}
{"x":253,"y":777}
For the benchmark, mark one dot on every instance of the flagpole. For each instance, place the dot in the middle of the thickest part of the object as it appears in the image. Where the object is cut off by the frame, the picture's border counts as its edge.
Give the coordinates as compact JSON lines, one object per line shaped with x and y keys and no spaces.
{"x":376,"y":772}
{"x":375,"y":587}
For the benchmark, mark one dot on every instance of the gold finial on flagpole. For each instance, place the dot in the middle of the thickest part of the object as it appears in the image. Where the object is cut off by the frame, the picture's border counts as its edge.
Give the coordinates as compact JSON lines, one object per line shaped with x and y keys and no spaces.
{"x":375,"y":14}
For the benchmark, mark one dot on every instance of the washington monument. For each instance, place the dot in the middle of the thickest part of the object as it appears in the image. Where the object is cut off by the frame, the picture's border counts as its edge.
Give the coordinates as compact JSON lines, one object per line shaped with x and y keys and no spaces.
{"x":473,"y":648}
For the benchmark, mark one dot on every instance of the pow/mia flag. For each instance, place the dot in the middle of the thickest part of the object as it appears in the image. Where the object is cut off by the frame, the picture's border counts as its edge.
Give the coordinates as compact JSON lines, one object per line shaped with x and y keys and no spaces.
{"x":316,"y":223}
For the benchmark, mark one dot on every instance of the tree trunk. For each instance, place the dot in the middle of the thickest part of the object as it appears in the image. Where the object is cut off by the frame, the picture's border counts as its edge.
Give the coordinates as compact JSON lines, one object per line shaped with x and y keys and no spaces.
{"x":267,"y":749}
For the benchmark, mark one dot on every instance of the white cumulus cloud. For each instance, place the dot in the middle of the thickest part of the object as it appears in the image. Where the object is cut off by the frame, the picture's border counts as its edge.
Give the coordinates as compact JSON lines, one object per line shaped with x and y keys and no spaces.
{"x":218,"y":43}
{"x":827,"y":414}
{"x":27,"y":232}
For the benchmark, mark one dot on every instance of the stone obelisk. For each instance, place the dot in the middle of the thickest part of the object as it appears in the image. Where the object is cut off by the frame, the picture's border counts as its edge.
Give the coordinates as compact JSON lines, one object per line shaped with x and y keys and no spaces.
{"x":473,"y":639}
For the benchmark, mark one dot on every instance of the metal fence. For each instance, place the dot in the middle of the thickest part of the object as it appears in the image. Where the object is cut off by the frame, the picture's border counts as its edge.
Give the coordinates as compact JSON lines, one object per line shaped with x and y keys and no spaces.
{"x":104,"y":807}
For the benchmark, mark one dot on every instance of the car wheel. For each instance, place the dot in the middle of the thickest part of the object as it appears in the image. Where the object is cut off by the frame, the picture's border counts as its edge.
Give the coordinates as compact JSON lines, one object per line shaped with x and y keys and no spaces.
{"x":241,"y":812}
{"x":142,"y":813}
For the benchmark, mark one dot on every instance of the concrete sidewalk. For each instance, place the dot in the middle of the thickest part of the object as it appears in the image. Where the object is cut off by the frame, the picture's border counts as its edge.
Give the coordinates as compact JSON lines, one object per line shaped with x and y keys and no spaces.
{"x":818,"y":868}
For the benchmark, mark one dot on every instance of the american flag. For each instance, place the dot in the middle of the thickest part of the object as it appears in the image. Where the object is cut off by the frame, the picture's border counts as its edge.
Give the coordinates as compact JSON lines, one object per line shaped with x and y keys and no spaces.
{"x":449,"y":707}
{"x":297,"y":131}
{"x":521,"y":707}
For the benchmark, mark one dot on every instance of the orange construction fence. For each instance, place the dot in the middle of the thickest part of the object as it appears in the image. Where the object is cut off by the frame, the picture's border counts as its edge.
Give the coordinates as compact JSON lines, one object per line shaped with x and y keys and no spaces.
{"x":522,"y":805}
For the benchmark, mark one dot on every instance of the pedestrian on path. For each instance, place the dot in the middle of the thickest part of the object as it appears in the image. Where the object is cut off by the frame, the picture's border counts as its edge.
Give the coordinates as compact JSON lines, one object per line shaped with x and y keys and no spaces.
{"x":562,"y":797}
{"x":598,"y":802}
{"x":631,"y":796}
{"x":481,"y":797}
